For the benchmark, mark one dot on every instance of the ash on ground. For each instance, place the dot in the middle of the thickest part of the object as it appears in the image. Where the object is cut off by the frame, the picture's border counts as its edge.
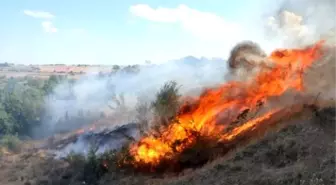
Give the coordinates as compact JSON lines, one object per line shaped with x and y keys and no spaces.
{"x":102,"y":139}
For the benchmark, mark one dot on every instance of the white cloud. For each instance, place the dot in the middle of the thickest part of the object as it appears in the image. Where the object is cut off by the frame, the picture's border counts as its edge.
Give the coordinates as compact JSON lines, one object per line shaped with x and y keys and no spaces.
{"x":39,"y":14}
{"x":157,"y":15}
{"x":204,"y":25}
{"x":46,"y":25}
{"x":49,"y":27}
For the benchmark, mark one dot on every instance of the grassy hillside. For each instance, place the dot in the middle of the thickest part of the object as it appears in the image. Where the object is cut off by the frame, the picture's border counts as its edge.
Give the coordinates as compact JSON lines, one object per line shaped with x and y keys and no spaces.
{"x":302,"y":153}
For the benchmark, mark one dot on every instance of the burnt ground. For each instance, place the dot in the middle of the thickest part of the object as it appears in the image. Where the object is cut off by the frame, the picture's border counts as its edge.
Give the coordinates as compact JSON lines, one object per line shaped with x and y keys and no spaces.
{"x":300,"y":154}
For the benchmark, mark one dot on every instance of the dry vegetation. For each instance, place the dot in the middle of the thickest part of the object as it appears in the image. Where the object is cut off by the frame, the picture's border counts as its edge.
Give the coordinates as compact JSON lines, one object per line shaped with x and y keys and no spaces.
{"x":302,"y":153}
{"x":298,"y":149}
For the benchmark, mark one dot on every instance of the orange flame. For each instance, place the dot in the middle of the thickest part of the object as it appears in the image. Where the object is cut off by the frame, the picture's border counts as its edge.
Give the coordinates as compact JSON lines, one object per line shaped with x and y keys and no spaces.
{"x":210,"y":114}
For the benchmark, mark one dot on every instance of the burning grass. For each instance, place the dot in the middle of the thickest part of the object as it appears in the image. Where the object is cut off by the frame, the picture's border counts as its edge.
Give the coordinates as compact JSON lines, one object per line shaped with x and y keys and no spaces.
{"x":203,"y":127}
{"x":300,"y":153}
{"x":217,"y":122}
{"x":220,"y":122}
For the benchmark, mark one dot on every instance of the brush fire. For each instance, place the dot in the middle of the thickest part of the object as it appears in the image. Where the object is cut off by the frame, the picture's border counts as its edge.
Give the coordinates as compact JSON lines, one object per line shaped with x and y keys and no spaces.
{"x":230,"y":114}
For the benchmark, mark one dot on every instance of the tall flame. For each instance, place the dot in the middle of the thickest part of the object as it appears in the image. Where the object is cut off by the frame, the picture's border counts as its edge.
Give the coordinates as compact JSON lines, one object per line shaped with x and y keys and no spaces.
{"x":205,"y":116}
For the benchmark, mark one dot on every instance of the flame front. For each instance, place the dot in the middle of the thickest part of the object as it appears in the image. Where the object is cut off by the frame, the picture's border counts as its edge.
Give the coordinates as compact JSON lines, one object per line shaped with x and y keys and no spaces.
{"x":216,"y":108}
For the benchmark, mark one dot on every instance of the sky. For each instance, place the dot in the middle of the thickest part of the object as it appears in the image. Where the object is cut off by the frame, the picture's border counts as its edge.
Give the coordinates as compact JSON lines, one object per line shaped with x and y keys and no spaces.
{"x":123,"y":32}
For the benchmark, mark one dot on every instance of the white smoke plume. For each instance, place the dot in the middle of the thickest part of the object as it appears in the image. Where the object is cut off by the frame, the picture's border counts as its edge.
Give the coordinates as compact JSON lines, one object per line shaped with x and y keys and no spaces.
{"x":91,"y":95}
{"x":297,"y":23}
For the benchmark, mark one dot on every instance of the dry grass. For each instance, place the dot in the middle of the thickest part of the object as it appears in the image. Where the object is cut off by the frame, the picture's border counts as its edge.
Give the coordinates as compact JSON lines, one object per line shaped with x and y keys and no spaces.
{"x":40,"y":75}
{"x":302,"y":153}
{"x":299,"y":154}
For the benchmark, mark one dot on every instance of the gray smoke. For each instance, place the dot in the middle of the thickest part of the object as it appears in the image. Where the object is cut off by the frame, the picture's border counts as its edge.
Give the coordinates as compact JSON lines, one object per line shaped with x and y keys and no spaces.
{"x":288,"y":23}
{"x":91,"y":95}
{"x":99,"y":140}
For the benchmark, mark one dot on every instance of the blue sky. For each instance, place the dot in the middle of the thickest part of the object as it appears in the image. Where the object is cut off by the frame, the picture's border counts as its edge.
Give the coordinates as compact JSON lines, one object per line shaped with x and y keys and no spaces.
{"x":121,"y":32}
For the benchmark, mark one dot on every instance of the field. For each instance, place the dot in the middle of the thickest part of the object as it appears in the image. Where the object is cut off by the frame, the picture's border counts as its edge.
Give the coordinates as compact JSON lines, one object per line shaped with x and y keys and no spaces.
{"x":44,"y":71}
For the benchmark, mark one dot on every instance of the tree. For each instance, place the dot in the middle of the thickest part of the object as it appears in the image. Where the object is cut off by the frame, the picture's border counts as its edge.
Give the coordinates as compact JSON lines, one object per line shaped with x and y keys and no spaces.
{"x":21,"y":108}
{"x":34,"y":82}
{"x":7,"y":124}
{"x":116,"y":68}
{"x":51,"y":83}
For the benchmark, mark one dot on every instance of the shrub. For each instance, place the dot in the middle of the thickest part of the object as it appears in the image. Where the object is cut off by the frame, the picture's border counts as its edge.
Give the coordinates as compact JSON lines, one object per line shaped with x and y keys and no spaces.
{"x":166,"y":103}
{"x":92,"y":167}
{"x":143,"y":115}
{"x":11,"y":142}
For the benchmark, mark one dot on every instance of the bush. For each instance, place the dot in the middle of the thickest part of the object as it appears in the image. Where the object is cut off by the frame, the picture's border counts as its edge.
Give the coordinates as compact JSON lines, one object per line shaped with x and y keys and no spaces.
{"x":163,"y":108}
{"x":11,"y":142}
{"x":75,"y":159}
{"x":166,"y":104}
{"x":92,"y":167}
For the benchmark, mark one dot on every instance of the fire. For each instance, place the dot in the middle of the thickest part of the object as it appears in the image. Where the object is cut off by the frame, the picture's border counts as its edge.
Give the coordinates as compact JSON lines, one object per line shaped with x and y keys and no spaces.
{"x":215,"y":109}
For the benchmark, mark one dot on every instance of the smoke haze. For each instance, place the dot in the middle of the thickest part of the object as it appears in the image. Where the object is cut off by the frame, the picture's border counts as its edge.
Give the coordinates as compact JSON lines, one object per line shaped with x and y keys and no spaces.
{"x":93,"y":94}
{"x":287,"y":24}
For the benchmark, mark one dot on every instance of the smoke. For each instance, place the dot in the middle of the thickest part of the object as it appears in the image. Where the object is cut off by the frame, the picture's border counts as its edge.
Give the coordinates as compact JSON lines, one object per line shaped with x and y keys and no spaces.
{"x":287,"y":23}
{"x":246,"y":59}
{"x":99,"y":140}
{"x":91,"y":96}
{"x":282,"y":24}
{"x":320,"y":79}
{"x":297,"y":23}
